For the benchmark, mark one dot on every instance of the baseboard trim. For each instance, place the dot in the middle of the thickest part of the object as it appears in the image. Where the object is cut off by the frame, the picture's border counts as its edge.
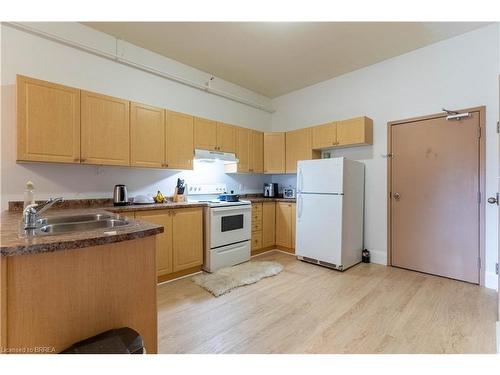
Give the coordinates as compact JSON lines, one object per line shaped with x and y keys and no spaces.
{"x":498,"y":337}
{"x":178,"y":275}
{"x":285,"y":249}
{"x":378,"y":257}
{"x":262,"y":250}
{"x":272,"y":249}
{"x":491,"y":280}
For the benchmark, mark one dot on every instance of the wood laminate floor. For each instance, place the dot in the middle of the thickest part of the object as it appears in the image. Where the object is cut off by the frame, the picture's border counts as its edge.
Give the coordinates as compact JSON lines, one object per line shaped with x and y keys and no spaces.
{"x":309,"y":309}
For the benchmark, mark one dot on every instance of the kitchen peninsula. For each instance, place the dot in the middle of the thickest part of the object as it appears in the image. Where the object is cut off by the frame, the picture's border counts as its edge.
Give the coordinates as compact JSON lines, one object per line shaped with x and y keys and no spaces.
{"x":59,"y":289}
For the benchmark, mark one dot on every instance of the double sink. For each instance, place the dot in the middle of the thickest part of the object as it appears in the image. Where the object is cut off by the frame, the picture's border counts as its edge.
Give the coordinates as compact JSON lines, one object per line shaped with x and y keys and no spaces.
{"x":75,"y":223}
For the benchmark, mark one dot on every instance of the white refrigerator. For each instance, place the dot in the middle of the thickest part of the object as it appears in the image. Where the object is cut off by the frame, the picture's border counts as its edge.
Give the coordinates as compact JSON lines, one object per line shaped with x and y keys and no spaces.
{"x":330,"y":206}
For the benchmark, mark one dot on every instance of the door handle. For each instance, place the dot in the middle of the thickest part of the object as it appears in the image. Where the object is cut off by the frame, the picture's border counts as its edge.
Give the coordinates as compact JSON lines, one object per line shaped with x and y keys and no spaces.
{"x":300,"y":207}
{"x":493,"y":200}
{"x":396,"y":196}
{"x":300,"y":182}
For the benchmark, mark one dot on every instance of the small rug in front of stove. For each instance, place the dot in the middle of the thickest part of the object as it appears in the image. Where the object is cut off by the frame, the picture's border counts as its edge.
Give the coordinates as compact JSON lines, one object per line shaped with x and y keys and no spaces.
{"x":225,"y":279}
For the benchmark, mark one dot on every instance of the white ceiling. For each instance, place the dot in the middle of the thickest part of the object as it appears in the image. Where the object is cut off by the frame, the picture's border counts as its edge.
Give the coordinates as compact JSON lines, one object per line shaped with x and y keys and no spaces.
{"x":274,"y":58}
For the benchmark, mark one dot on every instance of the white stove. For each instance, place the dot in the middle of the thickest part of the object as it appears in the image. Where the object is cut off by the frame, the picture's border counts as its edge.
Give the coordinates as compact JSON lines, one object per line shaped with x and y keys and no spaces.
{"x":227,"y":227}
{"x":210,"y":194}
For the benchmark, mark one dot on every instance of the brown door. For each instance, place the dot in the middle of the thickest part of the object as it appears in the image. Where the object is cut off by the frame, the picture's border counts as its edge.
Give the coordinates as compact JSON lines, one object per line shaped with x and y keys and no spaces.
{"x":434,"y":192}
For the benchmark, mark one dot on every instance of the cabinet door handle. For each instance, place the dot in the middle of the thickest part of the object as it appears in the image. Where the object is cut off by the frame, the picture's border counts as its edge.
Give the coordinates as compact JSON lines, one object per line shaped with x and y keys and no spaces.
{"x":76,"y":159}
{"x":83,"y":160}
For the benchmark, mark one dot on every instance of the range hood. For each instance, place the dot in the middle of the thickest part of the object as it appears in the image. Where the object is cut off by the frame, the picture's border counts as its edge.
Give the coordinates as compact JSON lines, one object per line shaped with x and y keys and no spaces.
{"x":208,"y":156}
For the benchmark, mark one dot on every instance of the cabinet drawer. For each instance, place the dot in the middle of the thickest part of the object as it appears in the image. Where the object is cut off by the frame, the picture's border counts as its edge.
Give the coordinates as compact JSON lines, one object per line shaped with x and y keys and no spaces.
{"x":256,"y":207}
{"x":256,"y":240}
{"x":256,"y":226}
{"x":256,"y":216}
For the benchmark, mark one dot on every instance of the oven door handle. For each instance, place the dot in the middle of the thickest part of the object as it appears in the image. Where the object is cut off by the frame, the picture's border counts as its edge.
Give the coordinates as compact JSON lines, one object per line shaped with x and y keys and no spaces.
{"x":231,"y":208}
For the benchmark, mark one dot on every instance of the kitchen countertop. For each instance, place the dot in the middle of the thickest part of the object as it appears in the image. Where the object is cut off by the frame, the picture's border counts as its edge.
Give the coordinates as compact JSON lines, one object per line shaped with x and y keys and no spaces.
{"x":11,"y":243}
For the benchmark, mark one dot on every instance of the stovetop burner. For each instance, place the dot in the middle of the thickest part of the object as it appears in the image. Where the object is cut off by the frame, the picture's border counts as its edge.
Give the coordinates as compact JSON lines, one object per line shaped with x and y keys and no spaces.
{"x":209,"y":194}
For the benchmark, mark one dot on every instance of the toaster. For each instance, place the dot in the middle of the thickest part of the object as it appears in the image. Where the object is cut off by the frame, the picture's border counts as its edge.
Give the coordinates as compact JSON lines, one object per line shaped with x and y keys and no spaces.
{"x":288,"y":192}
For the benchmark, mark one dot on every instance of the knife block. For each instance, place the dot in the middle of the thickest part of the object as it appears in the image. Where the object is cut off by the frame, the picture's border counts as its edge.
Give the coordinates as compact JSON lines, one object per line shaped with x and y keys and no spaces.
{"x":179,"y":197}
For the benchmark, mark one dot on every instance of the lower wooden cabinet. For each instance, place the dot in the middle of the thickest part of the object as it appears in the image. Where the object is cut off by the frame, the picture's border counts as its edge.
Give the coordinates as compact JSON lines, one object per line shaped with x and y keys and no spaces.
{"x":285,"y":226}
{"x":273,"y":224}
{"x":180,"y":246}
{"x":256,"y":227}
{"x":163,"y":240}
{"x":187,"y":244}
{"x":268,"y":224}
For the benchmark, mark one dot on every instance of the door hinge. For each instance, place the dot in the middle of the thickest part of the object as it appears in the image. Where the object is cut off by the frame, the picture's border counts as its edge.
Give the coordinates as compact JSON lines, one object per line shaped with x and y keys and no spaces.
{"x":479,"y":197}
{"x":498,"y":126}
{"x":479,"y":132}
{"x":496,"y":268}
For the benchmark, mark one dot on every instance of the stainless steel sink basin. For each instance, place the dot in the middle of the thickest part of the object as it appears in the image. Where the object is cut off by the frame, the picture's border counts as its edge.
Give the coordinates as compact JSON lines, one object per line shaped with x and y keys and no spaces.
{"x":73,"y":223}
{"x":72,"y":219}
{"x":67,"y":227}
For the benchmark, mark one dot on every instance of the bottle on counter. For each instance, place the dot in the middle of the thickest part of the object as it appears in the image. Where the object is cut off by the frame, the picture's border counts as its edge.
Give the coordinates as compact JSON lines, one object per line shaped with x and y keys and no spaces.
{"x":29,"y":194}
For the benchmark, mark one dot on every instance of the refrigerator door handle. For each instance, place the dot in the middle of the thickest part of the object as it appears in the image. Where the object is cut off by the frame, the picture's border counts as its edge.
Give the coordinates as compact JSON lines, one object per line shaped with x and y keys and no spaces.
{"x":301,"y":180}
{"x":299,"y":211}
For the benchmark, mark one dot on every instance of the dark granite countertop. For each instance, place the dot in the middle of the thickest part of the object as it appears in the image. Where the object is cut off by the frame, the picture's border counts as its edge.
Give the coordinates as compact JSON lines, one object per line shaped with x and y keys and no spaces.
{"x":12,"y":243}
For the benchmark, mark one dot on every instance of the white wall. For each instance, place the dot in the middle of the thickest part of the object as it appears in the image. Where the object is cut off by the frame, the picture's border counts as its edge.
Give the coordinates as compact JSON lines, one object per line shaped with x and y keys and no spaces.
{"x":27,"y":54}
{"x":457,"y":73}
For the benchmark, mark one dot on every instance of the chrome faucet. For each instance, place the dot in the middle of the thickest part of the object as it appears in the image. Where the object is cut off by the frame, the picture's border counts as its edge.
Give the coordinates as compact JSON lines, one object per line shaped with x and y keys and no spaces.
{"x":31,"y":213}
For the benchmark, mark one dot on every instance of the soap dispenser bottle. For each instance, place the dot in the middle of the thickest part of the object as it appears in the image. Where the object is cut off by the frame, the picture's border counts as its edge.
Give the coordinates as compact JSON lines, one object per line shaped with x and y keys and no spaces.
{"x":29,"y":194}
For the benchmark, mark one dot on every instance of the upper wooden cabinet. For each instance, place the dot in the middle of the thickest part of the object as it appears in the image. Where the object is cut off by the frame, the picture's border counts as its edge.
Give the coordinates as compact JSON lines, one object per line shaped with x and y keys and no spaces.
{"x":356,"y":131}
{"x":324,"y":136}
{"x":147,"y":136}
{"x":205,"y":134}
{"x":299,"y":147}
{"x":105,"y":130}
{"x":243,"y":145}
{"x":56,"y":123}
{"x":274,"y":152}
{"x":226,"y":137}
{"x":48,"y":121}
{"x":180,"y":145}
{"x":249,"y":151}
{"x":256,"y":151}
{"x":215,"y":136}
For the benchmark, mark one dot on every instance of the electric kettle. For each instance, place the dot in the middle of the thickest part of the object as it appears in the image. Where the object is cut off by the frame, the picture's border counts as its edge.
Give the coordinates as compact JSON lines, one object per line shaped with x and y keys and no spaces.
{"x":120,"y":196}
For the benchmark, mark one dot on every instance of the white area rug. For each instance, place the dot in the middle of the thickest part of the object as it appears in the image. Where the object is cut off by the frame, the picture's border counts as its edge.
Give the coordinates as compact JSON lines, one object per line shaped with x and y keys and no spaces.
{"x":225,"y":279}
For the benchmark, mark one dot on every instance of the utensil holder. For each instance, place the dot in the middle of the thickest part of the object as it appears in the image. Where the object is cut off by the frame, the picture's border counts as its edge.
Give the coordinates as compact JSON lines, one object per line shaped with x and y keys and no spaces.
{"x":179,"y":197}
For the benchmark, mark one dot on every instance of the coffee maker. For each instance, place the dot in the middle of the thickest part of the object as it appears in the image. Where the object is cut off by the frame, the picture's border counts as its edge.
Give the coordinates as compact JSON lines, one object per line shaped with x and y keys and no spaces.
{"x":271,"y":190}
